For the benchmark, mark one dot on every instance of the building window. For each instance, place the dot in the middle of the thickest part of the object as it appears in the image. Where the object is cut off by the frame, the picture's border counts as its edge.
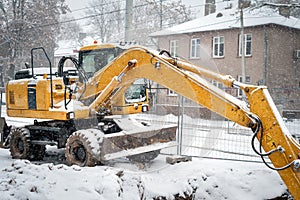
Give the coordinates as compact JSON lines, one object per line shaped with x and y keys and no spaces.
{"x":218,"y":47}
{"x":195,"y":48}
{"x":218,"y":84}
{"x":248,"y":45}
{"x":171,"y":93}
{"x":174,"y":47}
{"x":240,"y":79}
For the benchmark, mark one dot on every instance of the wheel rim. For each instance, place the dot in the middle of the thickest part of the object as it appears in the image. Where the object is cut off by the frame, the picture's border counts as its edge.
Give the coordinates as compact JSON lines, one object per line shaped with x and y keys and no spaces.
{"x":80,"y":153}
{"x":20,"y":145}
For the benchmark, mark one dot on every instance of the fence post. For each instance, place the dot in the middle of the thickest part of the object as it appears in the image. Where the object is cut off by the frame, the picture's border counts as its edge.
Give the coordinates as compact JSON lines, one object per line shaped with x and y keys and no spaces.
{"x":180,"y":123}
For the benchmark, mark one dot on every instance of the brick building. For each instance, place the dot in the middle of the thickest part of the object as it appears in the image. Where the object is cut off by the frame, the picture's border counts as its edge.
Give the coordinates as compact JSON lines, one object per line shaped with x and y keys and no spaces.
{"x":272,"y":50}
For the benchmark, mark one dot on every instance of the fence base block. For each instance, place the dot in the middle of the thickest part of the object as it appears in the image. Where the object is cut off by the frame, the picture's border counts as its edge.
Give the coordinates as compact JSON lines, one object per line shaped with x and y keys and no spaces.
{"x":177,"y":159}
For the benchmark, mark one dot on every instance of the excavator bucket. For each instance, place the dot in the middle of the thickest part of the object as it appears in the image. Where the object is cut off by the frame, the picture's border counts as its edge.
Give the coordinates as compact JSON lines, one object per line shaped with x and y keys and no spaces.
{"x":137,"y":139}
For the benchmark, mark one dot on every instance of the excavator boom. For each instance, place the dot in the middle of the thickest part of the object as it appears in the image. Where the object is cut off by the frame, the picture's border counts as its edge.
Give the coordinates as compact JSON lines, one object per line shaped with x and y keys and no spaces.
{"x":188,"y":80}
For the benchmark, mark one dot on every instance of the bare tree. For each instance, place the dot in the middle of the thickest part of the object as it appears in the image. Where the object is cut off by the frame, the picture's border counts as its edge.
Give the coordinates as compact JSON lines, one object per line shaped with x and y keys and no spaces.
{"x":106,"y":19}
{"x":290,"y":7}
{"x":69,"y":29}
{"x":153,"y":15}
{"x":148,"y":16}
{"x":25,"y":24}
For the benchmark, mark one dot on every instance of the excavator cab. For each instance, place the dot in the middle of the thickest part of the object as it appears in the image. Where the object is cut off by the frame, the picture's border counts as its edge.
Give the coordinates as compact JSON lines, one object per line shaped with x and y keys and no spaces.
{"x":95,"y":57}
{"x":98,"y":58}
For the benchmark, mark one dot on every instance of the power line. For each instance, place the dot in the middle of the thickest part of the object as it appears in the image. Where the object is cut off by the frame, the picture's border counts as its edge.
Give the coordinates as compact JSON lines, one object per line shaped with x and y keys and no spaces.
{"x":77,"y":19}
{"x":101,"y":14}
{"x":116,"y":11}
{"x":91,"y":16}
{"x":97,"y":5}
{"x":104,"y":4}
{"x":123,"y":9}
{"x":94,"y":15}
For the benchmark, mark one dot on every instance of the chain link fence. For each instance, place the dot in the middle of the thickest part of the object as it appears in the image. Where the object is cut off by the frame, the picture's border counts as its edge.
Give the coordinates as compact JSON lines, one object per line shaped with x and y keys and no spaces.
{"x":202,"y":133}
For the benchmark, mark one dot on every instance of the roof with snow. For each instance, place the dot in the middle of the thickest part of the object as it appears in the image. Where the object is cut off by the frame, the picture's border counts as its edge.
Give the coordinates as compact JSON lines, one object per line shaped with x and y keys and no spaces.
{"x":230,"y":19}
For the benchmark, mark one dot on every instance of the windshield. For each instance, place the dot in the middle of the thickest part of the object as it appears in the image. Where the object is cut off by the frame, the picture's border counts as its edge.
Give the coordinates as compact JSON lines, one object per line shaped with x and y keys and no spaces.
{"x":135,"y":93}
{"x":94,"y":60}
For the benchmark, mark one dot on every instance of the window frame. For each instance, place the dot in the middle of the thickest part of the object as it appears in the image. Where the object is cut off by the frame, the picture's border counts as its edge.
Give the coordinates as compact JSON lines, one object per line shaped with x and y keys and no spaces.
{"x":174,"y":47}
{"x":218,"y":43}
{"x":246,"y":41}
{"x":240,"y":79}
{"x":195,"y":48}
{"x":218,"y":84}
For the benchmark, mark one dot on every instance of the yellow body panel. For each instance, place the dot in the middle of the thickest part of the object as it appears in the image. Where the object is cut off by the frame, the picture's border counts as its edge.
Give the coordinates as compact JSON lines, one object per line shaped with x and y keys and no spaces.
{"x":47,"y":114}
{"x":43,"y":97}
{"x":97,"y":46}
{"x":41,"y":114}
{"x":18,"y":101}
{"x":17,"y":96}
{"x":130,"y":109}
{"x":275,"y":134}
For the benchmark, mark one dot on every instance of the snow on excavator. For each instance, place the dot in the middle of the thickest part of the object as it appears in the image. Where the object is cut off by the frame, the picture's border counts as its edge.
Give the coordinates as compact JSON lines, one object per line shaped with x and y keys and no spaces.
{"x":87,"y":114}
{"x":79,"y":112}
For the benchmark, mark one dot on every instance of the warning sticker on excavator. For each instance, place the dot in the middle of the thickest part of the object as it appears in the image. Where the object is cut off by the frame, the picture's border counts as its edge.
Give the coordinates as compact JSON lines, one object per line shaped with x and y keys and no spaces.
{"x":268,"y":139}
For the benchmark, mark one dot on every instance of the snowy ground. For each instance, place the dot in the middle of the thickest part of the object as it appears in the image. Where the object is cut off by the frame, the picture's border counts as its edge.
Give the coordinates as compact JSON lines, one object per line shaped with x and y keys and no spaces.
{"x":120,"y":179}
{"x":208,"y":179}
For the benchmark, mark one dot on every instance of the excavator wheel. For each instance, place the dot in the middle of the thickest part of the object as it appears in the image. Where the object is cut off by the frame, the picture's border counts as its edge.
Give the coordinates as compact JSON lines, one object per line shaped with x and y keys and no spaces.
{"x":21,"y":147}
{"x":79,"y":150}
{"x":144,"y":157}
{"x":20,"y":143}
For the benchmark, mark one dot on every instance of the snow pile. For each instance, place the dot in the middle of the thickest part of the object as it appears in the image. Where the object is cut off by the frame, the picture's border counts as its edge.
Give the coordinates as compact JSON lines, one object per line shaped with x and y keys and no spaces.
{"x":201,"y":178}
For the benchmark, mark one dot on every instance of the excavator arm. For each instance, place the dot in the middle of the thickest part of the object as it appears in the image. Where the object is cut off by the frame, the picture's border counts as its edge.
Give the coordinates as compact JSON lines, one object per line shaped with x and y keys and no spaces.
{"x":190,"y":81}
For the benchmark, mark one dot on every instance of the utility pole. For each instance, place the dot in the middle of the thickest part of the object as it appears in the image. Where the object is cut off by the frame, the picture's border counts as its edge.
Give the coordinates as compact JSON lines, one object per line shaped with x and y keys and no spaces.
{"x":128,"y":20}
{"x":161,"y":14}
{"x":242,"y":38}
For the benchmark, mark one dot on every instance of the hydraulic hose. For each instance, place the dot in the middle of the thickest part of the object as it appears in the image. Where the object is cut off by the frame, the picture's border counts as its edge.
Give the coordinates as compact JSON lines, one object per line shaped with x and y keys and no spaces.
{"x":259,"y":152}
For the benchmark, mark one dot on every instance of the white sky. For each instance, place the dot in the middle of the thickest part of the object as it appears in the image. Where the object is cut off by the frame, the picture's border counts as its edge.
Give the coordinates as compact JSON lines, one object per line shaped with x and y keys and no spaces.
{"x":78,"y":11}
{"x":78,"y":4}
{"x":75,"y":4}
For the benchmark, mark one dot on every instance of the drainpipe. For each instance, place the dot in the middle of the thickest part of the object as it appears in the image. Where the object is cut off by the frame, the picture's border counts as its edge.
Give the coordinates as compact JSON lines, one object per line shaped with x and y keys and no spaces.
{"x":265,"y":56}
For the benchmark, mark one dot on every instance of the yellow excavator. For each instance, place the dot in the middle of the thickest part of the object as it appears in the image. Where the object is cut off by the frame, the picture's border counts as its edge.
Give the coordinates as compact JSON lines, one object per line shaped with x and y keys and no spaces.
{"x":88,"y":114}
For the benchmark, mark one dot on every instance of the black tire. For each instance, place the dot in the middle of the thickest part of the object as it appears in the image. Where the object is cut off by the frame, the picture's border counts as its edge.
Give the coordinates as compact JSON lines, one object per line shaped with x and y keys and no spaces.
{"x":21,"y":147}
{"x":144,"y":157}
{"x":20,"y":143}
{"x":79,"y":150}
